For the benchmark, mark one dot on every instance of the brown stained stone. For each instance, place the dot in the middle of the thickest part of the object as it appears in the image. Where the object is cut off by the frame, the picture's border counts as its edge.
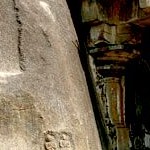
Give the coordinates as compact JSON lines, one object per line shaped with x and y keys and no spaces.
{"x":118,"y":55}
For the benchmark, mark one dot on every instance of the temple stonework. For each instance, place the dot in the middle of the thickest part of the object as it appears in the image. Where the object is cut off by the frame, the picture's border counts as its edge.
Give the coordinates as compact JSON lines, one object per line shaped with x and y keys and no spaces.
{"x":116,"y":39}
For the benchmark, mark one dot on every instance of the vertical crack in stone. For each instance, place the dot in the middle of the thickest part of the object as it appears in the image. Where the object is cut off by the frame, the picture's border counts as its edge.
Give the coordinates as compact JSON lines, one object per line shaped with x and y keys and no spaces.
{"x":19,"y":23}
{"x":46,"y":37}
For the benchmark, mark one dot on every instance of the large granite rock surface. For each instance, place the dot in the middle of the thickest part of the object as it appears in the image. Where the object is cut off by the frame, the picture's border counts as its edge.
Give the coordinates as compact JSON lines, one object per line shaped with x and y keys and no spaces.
{"x":44,"y":102}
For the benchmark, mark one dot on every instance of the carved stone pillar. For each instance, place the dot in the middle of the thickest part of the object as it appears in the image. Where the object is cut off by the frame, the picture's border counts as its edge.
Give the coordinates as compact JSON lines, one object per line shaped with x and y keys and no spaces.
{"x":115,"y":92}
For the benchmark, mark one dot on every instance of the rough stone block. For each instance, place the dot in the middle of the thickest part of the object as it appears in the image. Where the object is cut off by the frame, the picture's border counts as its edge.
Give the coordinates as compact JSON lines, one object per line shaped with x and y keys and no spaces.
{"x":144,"y":3}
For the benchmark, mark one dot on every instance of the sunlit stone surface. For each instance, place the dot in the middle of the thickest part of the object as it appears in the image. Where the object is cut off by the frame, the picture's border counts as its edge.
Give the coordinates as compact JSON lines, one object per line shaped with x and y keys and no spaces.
{"x":44,"y":102}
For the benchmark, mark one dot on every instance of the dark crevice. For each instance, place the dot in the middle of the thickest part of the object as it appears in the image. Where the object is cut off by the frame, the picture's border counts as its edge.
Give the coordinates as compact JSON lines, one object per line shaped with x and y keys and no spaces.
{"x":19,"y":23}
{"x":137,"y":92}
{"x":46,"y":38}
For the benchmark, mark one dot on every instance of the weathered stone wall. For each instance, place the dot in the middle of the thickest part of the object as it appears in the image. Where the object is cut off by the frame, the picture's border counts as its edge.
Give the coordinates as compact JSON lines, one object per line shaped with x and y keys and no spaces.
{"x":44,"y":102}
